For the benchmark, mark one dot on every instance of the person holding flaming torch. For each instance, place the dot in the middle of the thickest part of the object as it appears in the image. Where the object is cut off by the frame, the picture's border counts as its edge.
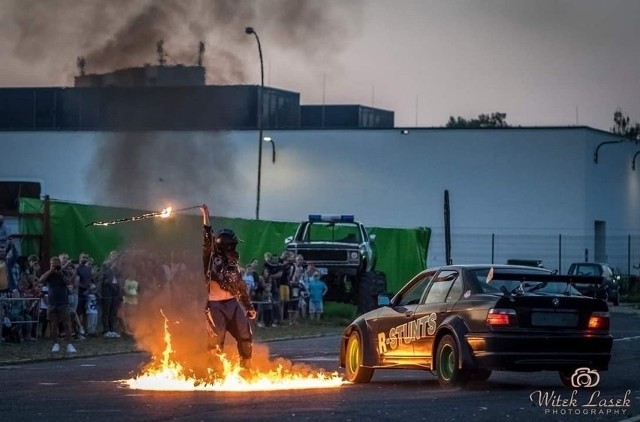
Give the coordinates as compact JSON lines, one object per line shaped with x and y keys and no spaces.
{"x":229,"y":307}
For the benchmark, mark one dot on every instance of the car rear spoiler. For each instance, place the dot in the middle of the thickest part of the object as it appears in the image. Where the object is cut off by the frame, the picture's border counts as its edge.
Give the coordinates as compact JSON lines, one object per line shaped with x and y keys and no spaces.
{"x":547,"y":278}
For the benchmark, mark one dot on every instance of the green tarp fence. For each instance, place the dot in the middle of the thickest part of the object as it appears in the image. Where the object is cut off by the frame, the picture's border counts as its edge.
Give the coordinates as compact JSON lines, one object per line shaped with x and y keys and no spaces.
{"x":401,"y":252}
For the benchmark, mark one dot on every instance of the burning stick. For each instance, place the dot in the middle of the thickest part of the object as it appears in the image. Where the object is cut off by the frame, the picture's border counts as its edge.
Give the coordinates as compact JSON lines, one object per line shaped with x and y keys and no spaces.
{"x":162,"y":214}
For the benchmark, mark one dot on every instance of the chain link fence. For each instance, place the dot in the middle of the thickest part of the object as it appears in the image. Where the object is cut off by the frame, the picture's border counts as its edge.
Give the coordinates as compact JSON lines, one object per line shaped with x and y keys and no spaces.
{"x":555,"y":251}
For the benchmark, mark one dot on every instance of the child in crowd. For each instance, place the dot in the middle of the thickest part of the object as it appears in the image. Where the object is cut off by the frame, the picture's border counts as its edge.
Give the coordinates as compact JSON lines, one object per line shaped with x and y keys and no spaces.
{"x":317,"y":290}
{"x":91,"y":304}
{"x":247,"y":277}
{"x":130,"y":302}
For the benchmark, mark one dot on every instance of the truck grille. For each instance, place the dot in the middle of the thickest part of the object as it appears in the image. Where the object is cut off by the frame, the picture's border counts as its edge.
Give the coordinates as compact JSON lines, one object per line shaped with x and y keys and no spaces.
{"x":323,"y":255}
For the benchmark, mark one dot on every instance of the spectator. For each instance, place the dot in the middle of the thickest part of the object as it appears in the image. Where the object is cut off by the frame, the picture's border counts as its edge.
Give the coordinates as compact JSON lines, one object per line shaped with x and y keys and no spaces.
{"x":317,"y":290}
{"x":130,"y":301}
{"x":92,"y":297}
{"x":247,"y":276}
{"x":266,"y":299}
{"x":4,"y":233}
{"x":298,"y":292}
{"x":26,"y":309}
{"x":33,"y":266}
{"x":4,"y":274}
{"x":70,"y":274}
{"x":111,"y":295}
{"x":274,"y":266}
{"x":85,"y":278}
{"x":255,"y":272}
{"x":308,"y":273}
{"x":8,"y":269}
{"x":58,"y":306}
{"x":42,"y":291}
{"x":284,"y":290}
{"x":9,"y":331}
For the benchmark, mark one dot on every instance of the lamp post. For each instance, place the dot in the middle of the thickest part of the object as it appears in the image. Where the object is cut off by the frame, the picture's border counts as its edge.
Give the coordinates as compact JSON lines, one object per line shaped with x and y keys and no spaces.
{"x":249,"y":30}
{"x":273,"y":147}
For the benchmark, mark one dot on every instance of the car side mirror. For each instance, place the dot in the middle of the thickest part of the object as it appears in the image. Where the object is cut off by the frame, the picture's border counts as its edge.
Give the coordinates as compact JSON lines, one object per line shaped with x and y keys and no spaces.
{"x":288,"y":240}
{"x":384,"y":300}
{"x":372,"y":237}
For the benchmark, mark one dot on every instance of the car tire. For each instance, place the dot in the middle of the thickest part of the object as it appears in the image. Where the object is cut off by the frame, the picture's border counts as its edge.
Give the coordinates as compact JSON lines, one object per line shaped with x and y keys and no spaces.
{"x":447,"y":357}
{"x":354,"y":371}
{"x":370,"y":285}
{"x":480,"y":375}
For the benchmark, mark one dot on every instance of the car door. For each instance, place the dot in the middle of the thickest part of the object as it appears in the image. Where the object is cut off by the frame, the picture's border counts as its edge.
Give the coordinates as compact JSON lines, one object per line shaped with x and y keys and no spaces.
{"x":391,"y":327}
{"x":443,"y":292}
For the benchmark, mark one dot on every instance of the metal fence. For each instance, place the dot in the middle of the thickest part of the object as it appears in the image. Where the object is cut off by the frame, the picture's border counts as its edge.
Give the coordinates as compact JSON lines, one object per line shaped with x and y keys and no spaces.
{"x":19,"y":318}
{"x":555,"y":251}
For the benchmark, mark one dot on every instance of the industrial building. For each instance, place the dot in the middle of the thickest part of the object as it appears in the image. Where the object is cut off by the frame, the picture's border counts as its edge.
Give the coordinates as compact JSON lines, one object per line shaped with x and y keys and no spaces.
{"x":558,"y":194}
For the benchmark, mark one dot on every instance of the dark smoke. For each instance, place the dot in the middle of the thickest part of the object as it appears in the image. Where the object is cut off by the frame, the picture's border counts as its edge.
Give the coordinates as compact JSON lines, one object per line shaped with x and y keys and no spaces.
{"x":139,"y":169}
{"x":117,"y":34}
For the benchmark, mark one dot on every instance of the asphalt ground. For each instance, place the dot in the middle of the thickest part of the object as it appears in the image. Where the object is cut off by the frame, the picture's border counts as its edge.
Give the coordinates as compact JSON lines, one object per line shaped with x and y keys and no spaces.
{"x":87,"y":388}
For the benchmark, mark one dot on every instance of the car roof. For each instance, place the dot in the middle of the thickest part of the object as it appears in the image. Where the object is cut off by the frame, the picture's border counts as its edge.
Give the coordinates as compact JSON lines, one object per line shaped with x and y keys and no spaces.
{"x":494,"y":266}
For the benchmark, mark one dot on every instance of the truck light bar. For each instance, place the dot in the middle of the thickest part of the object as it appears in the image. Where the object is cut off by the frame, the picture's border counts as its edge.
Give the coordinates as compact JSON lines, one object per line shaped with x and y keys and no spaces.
{"x":343,"y":218}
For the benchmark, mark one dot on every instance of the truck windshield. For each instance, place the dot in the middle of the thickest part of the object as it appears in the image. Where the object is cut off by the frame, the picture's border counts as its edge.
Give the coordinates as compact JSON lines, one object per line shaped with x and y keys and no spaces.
{"x":333,"y":232}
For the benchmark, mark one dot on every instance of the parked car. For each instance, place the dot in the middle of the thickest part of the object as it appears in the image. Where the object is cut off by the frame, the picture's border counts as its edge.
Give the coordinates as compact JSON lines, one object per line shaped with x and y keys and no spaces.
{"x":465,"y":321}
{"x":608,"y":290}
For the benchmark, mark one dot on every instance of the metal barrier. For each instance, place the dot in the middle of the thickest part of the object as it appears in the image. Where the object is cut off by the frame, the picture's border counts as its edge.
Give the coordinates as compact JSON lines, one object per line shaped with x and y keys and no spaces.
{"x":16,"y":311}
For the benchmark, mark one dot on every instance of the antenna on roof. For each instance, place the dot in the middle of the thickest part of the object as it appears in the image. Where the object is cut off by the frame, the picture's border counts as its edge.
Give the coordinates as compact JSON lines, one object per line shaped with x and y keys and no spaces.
{"x":200,"y":52}
{"x":80,"y":63}
{"x":161,"y":54}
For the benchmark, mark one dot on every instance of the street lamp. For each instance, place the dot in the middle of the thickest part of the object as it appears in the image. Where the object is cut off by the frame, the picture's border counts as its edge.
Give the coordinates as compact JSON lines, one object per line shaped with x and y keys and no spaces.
{"x":273,"y":147}
{"x":249,"y":30}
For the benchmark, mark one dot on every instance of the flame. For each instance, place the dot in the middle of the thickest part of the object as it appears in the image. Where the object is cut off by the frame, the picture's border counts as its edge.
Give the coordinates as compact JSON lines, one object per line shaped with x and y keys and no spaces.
{"x":164,"y":374}
{"x":165,"y":212}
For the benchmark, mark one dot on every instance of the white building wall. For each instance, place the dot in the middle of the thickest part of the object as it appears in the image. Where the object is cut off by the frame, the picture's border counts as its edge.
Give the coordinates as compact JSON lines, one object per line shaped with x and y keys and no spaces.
{"x":508,"y":182}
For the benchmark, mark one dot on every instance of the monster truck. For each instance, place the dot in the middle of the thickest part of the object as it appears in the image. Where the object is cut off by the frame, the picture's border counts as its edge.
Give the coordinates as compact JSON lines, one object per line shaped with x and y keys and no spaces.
{"x":342,"y":250}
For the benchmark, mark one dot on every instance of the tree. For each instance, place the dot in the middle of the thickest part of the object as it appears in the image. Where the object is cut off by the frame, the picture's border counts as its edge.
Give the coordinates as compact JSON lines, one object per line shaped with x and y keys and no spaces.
{"x":496,"y":119}
{"x":622,"y":126}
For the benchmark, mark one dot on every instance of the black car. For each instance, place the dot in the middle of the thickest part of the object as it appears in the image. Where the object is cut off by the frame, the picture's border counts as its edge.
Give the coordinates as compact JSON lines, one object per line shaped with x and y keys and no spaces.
{"x":464,"y":321}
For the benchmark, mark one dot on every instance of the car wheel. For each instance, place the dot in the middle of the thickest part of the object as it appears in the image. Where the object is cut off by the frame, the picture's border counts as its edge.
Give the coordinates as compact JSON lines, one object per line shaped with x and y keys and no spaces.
{"x":480,"y":375}
{"x":354,"y":371}
{"x":447,"y":357}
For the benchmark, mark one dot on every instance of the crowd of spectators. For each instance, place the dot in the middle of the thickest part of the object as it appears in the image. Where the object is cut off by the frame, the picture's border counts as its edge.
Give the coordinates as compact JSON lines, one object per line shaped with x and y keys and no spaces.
{"x":104,"y":298}
{"x":285,"y":289}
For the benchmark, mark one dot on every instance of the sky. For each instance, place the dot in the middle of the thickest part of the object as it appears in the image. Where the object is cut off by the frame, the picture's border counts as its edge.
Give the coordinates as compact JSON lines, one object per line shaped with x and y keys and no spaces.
{"x":543,"y":62}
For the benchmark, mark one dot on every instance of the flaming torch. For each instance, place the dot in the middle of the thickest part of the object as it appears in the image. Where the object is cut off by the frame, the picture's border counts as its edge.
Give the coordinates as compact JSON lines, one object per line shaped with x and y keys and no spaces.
{"x":165,"y":213}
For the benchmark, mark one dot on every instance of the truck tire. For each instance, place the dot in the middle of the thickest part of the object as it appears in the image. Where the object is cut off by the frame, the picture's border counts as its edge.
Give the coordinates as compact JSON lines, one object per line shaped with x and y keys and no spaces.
{"x":370,"y":285}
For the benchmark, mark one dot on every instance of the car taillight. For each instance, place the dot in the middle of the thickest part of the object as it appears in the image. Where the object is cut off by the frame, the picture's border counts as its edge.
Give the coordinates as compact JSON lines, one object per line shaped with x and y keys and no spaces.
{"x":599,"y":321}
{"x":501,"y":317}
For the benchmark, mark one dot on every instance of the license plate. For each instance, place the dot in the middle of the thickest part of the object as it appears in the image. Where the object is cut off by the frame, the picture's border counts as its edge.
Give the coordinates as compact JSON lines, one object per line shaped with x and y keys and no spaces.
{"x":554,"y":319}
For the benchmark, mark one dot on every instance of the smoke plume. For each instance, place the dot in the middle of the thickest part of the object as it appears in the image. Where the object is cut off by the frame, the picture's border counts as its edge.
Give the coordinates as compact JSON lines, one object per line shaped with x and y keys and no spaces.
{"x":49,"y":35}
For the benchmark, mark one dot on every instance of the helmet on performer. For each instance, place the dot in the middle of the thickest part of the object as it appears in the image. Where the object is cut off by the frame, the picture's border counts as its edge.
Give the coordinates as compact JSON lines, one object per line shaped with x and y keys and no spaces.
{"x":225,"y":243}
